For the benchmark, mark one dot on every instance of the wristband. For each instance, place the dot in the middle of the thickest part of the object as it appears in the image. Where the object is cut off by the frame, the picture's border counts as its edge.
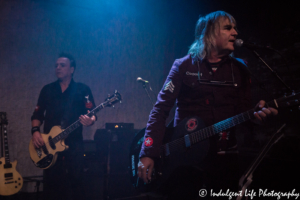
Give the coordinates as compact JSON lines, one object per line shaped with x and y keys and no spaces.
{"x":34,"y":129}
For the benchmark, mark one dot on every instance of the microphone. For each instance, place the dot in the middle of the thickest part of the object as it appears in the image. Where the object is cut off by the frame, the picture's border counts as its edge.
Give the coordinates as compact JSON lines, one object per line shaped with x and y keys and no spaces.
{"x":241,"y":43}
{"x":139,"y":79}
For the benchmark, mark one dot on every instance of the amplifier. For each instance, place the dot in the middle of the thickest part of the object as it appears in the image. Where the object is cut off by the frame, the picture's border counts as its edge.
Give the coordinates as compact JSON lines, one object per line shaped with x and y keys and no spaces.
{"x":119,"y":126}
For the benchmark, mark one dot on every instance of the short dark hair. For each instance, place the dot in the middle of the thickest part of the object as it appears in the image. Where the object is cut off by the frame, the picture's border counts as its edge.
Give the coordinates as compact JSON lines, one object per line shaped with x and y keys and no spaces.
{"x":70,"y":57}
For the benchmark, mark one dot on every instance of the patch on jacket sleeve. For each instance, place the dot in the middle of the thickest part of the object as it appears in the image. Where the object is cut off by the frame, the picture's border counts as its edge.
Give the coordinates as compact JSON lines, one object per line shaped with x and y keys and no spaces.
{"x":36,"y":108}
{"x":88,"y":103}
{"x":148,"y":142}
{"x":169,"y":86}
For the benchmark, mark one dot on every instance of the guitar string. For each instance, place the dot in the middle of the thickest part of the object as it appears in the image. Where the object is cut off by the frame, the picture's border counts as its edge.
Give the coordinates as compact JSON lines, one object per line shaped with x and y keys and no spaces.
{"x":115,"y":98}
{"x":223,"y":125}
{"x":238,"y":119}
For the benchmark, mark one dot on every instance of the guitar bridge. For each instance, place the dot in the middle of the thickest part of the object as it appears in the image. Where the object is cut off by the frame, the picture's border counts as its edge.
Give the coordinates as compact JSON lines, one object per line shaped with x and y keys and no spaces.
{"x":39,"y":152}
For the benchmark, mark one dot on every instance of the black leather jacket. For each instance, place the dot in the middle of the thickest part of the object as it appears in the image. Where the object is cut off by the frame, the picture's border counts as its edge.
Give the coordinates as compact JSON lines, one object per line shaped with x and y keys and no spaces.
{"x":217,"y":96}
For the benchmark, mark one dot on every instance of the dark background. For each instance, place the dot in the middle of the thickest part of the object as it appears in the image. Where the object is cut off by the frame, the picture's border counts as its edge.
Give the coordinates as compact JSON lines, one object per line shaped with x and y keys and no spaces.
{"x":115,"y":41}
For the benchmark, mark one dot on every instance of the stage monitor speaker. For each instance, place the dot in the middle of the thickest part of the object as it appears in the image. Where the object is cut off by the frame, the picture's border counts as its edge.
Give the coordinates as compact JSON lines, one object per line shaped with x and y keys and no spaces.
{"x":114,"y":144}
{"x":119,"y":126}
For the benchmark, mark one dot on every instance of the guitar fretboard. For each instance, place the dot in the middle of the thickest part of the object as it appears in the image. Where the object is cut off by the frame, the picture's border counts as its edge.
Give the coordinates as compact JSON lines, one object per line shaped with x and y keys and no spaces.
{"x":77,"y":124}
{"x":5,"y":141}
{"x":207,"y":132}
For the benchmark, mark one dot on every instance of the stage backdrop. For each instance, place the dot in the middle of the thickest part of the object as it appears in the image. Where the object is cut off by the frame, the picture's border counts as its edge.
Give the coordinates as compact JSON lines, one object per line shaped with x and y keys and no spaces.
{"x":113,"y":42}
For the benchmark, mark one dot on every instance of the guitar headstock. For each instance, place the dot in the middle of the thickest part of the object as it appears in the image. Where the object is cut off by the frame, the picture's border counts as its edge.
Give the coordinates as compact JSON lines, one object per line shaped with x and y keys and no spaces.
{"x":289,"y":101}
{"x":113,"y":99}
{"x":3,"y":119}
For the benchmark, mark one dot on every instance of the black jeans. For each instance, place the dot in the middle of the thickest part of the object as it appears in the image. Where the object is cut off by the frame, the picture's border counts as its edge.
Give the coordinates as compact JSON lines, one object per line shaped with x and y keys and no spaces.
{"x":219,"y":174}
{"x":64,"y":179}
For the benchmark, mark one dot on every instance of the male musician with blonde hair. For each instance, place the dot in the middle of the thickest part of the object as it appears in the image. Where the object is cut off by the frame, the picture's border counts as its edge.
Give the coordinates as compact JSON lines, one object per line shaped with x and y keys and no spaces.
{"x":211,"y":84}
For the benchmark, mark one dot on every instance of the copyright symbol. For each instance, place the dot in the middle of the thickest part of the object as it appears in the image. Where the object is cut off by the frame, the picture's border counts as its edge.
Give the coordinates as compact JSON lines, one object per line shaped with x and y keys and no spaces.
{"x":202,"y":192}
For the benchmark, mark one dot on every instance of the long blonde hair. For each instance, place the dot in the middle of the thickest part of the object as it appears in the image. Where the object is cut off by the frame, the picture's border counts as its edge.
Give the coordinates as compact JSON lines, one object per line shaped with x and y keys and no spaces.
{"x":205,"y":33}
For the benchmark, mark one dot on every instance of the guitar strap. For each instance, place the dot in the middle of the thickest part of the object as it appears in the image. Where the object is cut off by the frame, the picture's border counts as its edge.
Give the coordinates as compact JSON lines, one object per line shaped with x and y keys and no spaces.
{"x":68,"y":106}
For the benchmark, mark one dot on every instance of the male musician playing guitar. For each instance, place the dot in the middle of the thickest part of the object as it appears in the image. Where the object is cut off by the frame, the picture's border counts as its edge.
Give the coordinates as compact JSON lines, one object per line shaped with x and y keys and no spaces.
{"x":62,"y":103}
{"x":211,"y":84}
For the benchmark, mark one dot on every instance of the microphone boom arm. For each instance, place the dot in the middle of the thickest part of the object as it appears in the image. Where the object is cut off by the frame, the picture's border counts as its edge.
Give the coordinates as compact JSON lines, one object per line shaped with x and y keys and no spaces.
{"x":144,"y":86}
{"x":273,"y":72}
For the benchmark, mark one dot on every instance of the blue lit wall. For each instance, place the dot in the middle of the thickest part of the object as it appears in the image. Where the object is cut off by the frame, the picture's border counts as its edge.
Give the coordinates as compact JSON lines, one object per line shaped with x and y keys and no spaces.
{"x":113,"y":42}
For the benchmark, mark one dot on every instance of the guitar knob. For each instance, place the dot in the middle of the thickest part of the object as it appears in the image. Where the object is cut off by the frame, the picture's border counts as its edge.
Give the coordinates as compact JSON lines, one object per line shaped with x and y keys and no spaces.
{"x":16,"y":186}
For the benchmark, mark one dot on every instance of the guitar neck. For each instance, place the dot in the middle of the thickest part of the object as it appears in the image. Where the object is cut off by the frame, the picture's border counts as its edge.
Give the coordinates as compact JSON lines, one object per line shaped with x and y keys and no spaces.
{"x":4,"y":124}
{"x":75,"y":125}
{"x":207,"y":132}
{"x":221,"y":126}
{"x":6,"y":150}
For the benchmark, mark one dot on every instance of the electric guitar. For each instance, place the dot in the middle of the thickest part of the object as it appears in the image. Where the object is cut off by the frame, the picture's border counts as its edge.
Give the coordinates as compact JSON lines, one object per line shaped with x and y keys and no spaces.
{"x":187,"y":145}
{"x":10,"y":180}
{"x":46,"y":156}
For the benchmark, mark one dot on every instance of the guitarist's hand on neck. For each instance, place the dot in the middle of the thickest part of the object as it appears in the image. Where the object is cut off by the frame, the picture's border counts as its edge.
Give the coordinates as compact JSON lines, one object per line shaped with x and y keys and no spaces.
{"x":86,"y":120}
{"x":145,"y":168}
{"x":262,"y":113}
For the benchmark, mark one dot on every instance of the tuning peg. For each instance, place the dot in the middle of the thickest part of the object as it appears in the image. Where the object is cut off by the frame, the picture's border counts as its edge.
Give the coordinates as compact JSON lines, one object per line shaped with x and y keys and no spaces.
{"x":116,"y":91}
{"x":120,"y":101}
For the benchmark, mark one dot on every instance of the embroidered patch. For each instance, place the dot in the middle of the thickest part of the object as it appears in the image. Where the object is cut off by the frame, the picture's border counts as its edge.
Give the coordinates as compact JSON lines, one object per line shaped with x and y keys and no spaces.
{"x":224,"y":135}
{"x":87,"y":98}
{"x":191,"y":124}
{"x":148,"y":142}
{"x":191,"y":74}
{"x":169,"y":86}
{"x":88,"y":104}
{"x":36,"y":108}
{"x":207,"y":102}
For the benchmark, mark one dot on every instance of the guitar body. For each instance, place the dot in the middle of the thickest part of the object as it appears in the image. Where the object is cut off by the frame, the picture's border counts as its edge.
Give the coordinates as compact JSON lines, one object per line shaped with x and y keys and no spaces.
{"x":10,"y":180}
{"x":167,"y":166}
{"x":46,"y":156}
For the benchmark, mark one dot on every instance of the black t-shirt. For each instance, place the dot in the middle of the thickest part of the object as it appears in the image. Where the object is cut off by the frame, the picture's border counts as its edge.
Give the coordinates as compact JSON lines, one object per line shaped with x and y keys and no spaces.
{"x":55,"y":108}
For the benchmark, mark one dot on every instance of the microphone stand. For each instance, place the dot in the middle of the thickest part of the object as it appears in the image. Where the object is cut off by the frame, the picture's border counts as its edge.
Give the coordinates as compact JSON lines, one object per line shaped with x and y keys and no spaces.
{"x":273,"y":72}
{"x":247,"y":178}
{"x":144,"y":86}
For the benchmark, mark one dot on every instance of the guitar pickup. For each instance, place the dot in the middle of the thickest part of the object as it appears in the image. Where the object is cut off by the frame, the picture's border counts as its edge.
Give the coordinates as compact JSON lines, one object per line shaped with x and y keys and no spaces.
{"x":167,"y":149}
{"x":6,"y":166}
{"x":8,"y":175}
{"x":187,"y":141}
{"x":45,"y":150}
